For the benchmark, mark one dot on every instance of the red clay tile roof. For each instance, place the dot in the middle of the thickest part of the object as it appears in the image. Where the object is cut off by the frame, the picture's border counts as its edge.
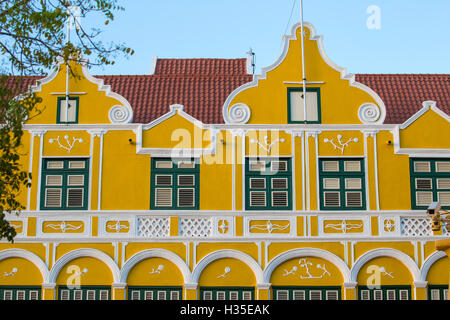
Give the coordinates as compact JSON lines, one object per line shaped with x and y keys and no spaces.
{"x":403,"y":94}
{"x":202,"y":85}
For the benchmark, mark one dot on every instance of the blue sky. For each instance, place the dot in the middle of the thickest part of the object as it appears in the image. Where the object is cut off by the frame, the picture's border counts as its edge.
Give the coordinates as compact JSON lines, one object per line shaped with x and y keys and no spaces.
{"x":413,"y":36}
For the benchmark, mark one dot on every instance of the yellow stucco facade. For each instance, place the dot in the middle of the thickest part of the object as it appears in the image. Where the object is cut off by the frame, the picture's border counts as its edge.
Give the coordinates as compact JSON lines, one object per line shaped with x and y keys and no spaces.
{"x":111,"y":216}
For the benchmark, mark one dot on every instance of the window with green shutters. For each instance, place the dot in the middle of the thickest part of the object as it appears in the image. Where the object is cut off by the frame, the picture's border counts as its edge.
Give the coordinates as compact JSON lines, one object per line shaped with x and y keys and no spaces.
{"x":306,"y":293}
{"x":342,"y":185}
{"x":437,"y":292}
{"x":65,"y":184}
{"x":154,"y":293}
{"x":175,"y":184}
{"x":67,"y":115}
{"x":20,"y":293}
{"x":84,"y":293}
{"x":384,"y":293}
{"x":268,"y":184}
{"x":430,"y":182}
{"x":227,"y":293}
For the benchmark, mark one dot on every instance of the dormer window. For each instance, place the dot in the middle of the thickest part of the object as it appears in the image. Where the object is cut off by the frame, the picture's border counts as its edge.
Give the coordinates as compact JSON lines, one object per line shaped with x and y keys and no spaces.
{"x":296,"y":106}
{"x":67,"y":114}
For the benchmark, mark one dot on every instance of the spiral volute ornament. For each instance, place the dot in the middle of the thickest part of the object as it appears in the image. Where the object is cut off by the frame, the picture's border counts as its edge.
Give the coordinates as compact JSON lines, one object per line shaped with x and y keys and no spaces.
{"x":369,"y":113}
{"x":120,"y":114}
{"x":238,"y":114}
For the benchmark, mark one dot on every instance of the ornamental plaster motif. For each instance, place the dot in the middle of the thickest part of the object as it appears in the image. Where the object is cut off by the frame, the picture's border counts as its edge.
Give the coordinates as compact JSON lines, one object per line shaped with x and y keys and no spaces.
{"x":117,"y":226}
{"x":369,"y":113}
{"x":120,"y":114}
{"x":344,"y":226}
{"x":340,"y":144}
{"x":270,"y":227}
{"x":238,"y":113}
{"x":265,"y":145}
{"x":225,"y":274}
{"x":62,"y":226}
{"x":12,"y":273}
{"x":307,"y":273}
{"x":158,"y":269}
{"x":67,"y":145}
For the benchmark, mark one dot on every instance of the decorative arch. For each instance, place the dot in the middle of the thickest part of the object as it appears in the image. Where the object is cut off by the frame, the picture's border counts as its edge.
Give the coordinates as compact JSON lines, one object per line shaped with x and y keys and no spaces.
{"x":228,"y":253}
{"x":27,"y":255}
{"x":307,"y":252}
{"x":429,"y":263}
{"x":155,"y":253}
{"x":81,"y":253}
{"x":386,"y":252}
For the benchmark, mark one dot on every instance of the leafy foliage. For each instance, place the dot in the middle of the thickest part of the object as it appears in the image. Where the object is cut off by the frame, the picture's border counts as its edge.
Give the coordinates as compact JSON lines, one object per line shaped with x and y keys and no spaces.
{"x":33,"y":34}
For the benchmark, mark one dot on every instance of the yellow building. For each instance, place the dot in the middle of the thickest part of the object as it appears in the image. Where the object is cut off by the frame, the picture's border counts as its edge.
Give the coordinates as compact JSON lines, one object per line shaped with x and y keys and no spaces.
{"x":146,"y":188}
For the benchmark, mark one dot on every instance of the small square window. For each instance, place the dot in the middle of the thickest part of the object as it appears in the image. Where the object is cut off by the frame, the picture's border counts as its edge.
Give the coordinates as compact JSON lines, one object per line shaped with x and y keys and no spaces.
{"x":67,"y":114}
{"x":296,"y":105}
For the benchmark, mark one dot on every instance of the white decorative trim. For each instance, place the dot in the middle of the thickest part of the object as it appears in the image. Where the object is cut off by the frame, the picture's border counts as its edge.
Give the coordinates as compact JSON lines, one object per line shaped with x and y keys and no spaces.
{"x":228,"y":253}
{"x":369,"y":113}
{"x":170,"y":152}
{"x":27,"y":255}
{"x":118,"y":219}
{"x":419,"y":152}
{"x":155,"y":253}
{"x":153,"y":65}
{"x":81,"y":253}
{"x":307,"y":252}
{"x":120,"y":114}
{"x":238,"y":113}
{"x":435,"y":256}
{"x":270,"y":226}
{"x":67,"y":145}
{"x":63,"y":226}
{"x":344,"y":226}
{"x":341,"y":145}
{"x":391,"y":223}
{"x":386,"y":252}
{"x":343,"y":72}
{"x":266,"y":146}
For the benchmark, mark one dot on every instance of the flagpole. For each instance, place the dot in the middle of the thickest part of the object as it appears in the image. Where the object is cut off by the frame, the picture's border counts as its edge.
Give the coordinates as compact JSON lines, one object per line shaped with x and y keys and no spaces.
{"x":303,"y":62}
{"x":67,"y":70}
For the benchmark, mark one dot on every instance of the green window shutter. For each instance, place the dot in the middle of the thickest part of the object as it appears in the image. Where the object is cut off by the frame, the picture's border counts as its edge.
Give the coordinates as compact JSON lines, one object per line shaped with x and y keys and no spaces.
{"x":65,"y":184}
{"x":84,"y":293}
{"x":20,"y":293}
{"x":306,"y":293}
{"x":430,"y":182}
{"x":384,"y":293}
{"x":154,"y":293}
{"x":227,"y":293}
{"x":268,"y":184}
{"x":175,"y":184}
{"x":342,"y":184}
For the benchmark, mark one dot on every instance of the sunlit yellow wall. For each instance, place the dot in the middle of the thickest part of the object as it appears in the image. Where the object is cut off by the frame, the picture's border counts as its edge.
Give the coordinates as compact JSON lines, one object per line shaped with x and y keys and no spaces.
{"x":126,"y":176}
{"x":393,"y":175}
